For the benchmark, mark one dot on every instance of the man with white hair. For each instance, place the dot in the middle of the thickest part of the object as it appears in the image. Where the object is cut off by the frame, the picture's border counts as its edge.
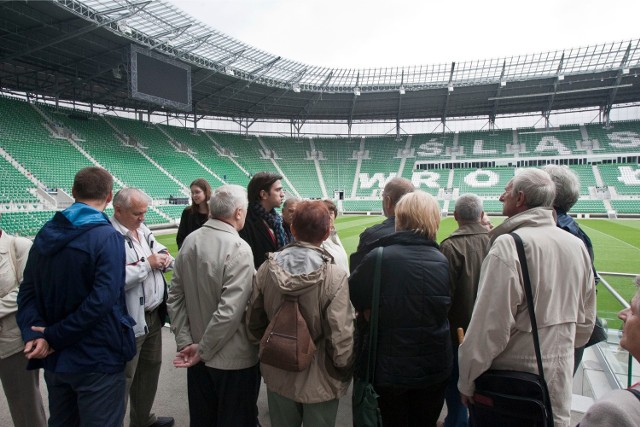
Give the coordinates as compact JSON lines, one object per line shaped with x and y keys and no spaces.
{"x":499,"y":334}
{"x":146,"y":296}
{"x":567,"y":194}
{"x":211,"y":286}
{"x":465,"y":249}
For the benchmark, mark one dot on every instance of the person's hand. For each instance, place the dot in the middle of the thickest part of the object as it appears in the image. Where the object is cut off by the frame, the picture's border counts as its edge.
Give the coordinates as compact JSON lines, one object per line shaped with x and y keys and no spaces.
{"x":466,"y":400}
{"x":38,"y":348}
{"x":187,"y":357}
{"x":168,"y":259}
{"x":159,"y":261}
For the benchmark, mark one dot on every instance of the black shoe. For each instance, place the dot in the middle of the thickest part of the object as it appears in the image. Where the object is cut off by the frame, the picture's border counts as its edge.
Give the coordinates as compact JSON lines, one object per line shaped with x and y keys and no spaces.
{"x":163,"y":422}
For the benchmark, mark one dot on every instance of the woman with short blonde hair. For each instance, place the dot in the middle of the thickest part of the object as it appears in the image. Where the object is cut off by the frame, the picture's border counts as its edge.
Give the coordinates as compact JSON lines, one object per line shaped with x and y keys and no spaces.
{"x":414,"y":355}
{"x":419,"y":212}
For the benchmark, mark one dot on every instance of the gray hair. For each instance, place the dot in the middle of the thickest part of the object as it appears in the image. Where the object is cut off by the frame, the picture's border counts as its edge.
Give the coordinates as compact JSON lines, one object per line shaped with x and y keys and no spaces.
{"x":289,"y":200}
{"x":124,"y":197}
{"x":567,"y":186}
{"x":469,"y":208}
{"x":226,"y":199}
{"x":536,"y":185}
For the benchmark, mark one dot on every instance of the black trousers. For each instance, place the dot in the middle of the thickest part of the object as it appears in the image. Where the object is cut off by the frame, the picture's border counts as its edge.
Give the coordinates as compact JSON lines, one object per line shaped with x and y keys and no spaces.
{"x":403,"y":407}
{"x":223,"y":398}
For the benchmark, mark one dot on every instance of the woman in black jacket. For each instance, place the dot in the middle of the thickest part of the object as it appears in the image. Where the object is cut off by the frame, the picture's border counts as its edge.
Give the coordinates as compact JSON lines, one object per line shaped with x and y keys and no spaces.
{"x":197,"y":213}
{"x":414,"y":356}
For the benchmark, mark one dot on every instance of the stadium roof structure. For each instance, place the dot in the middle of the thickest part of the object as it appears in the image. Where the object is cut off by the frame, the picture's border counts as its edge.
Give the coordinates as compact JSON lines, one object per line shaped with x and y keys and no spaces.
{"x":78,"y":51}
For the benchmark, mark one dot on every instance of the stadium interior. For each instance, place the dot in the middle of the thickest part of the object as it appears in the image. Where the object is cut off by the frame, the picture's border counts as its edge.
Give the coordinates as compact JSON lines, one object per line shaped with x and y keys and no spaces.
{"x":74,"y":92}
{"x":42,"y":146}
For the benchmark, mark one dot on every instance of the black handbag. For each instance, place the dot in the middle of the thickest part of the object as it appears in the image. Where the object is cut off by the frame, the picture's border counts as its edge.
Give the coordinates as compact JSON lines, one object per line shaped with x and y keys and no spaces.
{"x":514,"y":398}
{"x":364,"y":401}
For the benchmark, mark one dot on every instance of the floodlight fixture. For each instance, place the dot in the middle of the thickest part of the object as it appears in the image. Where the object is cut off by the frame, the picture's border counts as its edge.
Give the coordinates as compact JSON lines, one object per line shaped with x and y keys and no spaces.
{"x":625,"y":71}
{"x":356,"y":91}
{"x":402,"y":90}
{"x":503,"y":83}
{"x":124,"y":27}
{"x":229,"y":71}
{"x":450,"y":88}
{"x":296,"y":87}
{"x":560,"y":77}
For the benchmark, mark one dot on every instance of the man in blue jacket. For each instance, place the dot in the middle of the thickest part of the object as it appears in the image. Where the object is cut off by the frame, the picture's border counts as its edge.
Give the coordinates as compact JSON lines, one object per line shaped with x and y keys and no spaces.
{"x":71,"y":308}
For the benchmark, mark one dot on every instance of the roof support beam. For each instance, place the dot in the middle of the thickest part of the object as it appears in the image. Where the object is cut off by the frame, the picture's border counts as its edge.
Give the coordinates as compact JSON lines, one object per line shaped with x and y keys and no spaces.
{"x":283,"y":92}
{"x":262,"y":69}
{"x":317,"y":97}
{"x":547,"y":112}
{"x":614,"y":91}
{"x":244,"y":123}
{"x":353,"y":104}
{"x":445,"y":108}
{"x":133,"y":9}
{"x":400,"y":94}
{"x":501,"y":84}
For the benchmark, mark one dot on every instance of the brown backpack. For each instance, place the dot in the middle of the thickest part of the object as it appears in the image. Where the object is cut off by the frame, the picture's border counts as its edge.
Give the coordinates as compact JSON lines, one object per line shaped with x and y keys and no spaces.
{"x":287,"y":343}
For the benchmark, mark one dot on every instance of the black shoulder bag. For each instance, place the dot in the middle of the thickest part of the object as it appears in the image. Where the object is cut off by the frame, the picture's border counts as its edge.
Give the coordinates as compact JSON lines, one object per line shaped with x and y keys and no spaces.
{"x":514,"y":398}
{"x":366,"y":412}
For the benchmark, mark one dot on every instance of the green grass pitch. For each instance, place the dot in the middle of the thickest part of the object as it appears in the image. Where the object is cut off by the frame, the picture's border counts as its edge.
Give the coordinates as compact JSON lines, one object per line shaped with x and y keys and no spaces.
{"x":616,"y":245}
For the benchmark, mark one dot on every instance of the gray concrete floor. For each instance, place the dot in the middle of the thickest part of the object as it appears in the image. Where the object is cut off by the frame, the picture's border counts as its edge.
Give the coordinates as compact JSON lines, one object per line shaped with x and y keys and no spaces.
{"x":171,"y":398}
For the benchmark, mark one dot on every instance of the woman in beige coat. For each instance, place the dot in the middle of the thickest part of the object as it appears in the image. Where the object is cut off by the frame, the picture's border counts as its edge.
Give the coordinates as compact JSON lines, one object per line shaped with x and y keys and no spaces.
{"x":20,"y":385}
{"x":305,"y":270}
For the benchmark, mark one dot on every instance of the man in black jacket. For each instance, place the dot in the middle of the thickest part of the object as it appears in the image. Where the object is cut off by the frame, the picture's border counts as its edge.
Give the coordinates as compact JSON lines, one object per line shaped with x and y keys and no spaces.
{"x":392,"y":193}
{"x":263,"y":228}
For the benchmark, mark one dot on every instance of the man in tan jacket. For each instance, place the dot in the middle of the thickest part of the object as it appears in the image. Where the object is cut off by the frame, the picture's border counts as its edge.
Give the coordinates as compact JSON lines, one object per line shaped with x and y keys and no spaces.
{"x":499,"y":334}
{"x":209,"y":293}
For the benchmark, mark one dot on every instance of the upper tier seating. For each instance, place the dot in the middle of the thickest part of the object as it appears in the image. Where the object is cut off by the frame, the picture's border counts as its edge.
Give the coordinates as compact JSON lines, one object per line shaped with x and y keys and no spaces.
{"x":291,"y":157}
{"x":163,"y":160}
{"x":624,"y":177}
{"x":24,"y":136}
{"x":15,"y":186}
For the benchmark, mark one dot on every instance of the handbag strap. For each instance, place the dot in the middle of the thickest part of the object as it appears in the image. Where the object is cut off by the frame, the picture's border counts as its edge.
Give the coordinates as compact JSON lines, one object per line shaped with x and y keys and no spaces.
{"x":373,"y":318}
{"x":529,"y":294}
{"x":635,"y":392}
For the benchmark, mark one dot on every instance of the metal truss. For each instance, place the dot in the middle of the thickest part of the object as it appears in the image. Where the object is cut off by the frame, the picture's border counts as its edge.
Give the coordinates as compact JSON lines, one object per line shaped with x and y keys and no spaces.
{"x":162,"y":27}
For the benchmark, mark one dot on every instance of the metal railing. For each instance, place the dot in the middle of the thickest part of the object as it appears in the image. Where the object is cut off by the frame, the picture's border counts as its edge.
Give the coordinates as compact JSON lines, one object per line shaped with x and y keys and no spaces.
{"x":610,"y":371}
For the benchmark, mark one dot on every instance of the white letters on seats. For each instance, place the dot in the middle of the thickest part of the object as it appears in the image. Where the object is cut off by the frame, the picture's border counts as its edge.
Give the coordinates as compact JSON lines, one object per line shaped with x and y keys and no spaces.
{"x":490,"y":179}
{"x":430,"y":148}
{"x":426,"y":178}
{"x":624,"y":139}
{"x":629,"y":176}
{"x":479,"y":149}
{"x":369,"y":182}
{"x":551,"y":143}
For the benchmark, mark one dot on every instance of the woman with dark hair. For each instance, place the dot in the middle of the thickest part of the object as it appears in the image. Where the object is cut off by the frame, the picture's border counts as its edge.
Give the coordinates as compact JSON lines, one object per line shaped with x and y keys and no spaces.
{"x":304,"y":270}
{"x":197,"y":213}
{"x":413,"y":359}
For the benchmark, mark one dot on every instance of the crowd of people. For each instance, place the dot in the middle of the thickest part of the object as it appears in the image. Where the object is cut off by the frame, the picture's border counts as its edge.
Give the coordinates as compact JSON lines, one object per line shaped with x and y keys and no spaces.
{"x":87,"y":300}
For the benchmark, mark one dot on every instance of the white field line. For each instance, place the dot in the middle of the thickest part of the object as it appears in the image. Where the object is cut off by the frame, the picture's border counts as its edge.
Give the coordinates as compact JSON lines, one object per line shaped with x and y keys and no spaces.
{"x":609,"y":236}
